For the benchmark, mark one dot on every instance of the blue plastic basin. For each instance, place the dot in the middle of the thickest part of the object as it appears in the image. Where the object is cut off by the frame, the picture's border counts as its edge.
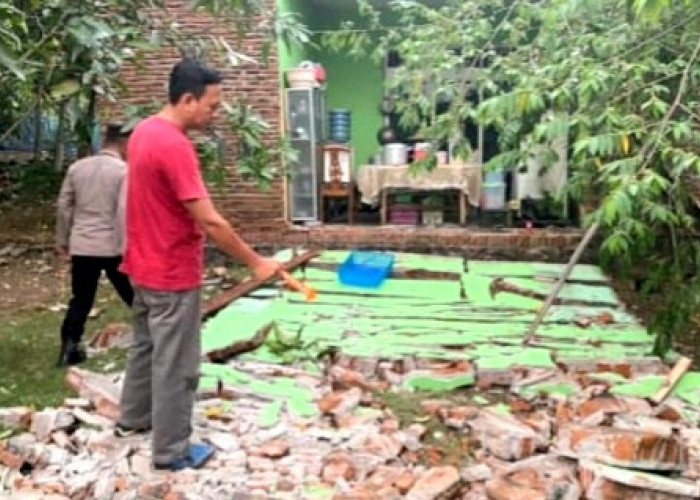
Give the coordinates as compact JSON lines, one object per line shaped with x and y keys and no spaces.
{"x":368,"y":269}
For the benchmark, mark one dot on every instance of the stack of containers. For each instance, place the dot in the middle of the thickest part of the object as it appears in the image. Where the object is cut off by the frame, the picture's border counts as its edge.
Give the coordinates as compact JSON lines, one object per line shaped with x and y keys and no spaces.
{"x":493,"y":195}
{"x":339,"y":125}
{"x":404,"y":211}
{"x":404,"y":214}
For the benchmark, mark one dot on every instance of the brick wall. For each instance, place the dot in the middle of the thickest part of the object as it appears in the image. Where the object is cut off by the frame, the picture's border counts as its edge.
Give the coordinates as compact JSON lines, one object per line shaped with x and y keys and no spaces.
{"x":248,"y":208}
{"x":544,"y":245}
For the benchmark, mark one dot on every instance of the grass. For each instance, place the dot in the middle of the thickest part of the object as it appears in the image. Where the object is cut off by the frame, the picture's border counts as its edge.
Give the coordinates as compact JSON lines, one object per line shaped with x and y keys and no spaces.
{"x":30,"y":343}
{"x":455,"y":446}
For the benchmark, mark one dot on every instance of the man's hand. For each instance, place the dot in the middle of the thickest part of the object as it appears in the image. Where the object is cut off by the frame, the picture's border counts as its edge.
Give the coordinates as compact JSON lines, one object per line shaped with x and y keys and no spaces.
{"x":265,"y":268}
{"x":62,"y":251}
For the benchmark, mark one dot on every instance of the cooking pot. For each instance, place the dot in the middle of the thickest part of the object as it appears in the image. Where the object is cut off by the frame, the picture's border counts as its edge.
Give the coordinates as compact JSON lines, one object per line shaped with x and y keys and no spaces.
{"x":395,"y":153}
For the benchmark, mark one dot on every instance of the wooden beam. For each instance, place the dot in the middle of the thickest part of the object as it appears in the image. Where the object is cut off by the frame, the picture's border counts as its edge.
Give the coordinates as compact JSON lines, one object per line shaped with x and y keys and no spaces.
{"x":399,"y":273}
{"x":587,"y":237}
{"x":225,"y":353}
{"x":676,"y":373}
{"x":221,"y":300}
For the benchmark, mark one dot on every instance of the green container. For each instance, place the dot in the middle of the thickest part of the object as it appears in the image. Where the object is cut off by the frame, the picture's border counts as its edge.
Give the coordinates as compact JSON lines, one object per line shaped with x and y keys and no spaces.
{"x":403,"y":198}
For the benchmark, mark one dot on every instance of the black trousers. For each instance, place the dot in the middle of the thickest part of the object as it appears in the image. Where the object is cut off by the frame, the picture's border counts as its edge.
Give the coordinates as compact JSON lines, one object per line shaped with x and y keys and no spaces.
{"x":85,"y":276}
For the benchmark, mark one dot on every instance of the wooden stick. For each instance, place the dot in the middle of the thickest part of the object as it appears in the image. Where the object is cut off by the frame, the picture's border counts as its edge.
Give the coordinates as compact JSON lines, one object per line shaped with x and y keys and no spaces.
{"x":590,"y":233}
{"x":221,"y":300}
{"x":676,"y":373}
{"x":225,"y":353}
{"x":309,"y":292}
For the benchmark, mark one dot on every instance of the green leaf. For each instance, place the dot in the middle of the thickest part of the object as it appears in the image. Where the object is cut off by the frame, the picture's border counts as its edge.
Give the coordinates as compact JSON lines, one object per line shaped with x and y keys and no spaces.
{"x":681,"y":131}
{"x":10,"y":64}
{"x":65,"y":89}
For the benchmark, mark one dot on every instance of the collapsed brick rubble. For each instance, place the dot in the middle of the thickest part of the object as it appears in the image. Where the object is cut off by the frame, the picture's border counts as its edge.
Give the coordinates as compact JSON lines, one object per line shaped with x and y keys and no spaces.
{"x":536,"y":443}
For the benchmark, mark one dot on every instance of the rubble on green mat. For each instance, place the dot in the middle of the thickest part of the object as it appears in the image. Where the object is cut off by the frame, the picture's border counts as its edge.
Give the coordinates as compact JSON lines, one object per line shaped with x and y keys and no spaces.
{"x":427,"y":320}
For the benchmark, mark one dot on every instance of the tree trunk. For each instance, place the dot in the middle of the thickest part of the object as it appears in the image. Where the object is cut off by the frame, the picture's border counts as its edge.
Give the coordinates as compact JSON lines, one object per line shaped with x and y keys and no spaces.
{"x":86,"y":145}
{"x":60,"y":148}
{"x":37,"y":123}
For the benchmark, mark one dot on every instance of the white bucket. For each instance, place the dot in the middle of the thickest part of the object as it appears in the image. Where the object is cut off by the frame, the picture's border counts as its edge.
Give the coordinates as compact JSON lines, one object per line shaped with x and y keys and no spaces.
{"x":395,"y":153}
{"x":493,"y":196}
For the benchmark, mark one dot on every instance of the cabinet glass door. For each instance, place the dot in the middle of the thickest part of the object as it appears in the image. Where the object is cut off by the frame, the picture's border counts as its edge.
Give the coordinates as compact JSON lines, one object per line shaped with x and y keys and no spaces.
{"x":304,"y":126}
{"x":300,"y":115}
{"x":302,"y":182}
{"x":319,"y":112}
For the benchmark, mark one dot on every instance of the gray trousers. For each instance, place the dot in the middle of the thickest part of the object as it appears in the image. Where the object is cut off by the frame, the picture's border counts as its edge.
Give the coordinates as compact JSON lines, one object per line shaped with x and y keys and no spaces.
{"x":163,"y":369}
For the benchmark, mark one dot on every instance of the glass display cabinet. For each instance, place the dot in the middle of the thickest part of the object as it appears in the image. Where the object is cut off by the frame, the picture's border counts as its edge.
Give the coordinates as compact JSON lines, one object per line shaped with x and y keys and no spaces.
{"x":305,"y":128}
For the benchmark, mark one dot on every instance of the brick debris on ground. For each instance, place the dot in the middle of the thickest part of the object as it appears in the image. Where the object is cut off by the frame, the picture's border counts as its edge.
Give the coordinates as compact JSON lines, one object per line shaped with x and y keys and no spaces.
{"x":589,"y":445}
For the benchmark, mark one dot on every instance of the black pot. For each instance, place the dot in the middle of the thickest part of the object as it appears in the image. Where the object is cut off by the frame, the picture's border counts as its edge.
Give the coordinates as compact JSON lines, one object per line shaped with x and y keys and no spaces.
{"x":386,"y":135}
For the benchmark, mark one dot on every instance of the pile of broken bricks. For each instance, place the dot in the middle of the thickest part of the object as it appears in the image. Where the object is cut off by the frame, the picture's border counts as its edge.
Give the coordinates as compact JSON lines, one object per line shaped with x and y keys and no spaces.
{"x":587,"y":443}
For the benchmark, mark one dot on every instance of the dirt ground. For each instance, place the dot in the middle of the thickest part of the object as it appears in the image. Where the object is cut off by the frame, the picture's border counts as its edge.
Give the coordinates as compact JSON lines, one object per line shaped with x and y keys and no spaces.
{"x":31,"y":275}
{"x":33,"y":278}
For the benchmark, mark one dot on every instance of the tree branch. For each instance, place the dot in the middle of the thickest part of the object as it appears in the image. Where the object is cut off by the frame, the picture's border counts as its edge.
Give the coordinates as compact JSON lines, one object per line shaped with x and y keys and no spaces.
{"x":690,"y":112}
{"x":648,"y":155}
{"x":496,"y":30}
{"x":17,"y":123}
{"x":687,"y":20}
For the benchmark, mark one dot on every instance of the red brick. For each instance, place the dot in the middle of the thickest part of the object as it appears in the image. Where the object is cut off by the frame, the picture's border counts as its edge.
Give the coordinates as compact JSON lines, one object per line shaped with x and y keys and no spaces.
{"x":506,"y":437}
{"x":336,"y":466}
{"x":18,"y":416}
{"x":121,"y":484}
{"x":434,"y":483}
{"x":405,"y":482}
{"x":601,"y":482}
{"x":519,"y":405}
{"x":274,"y":449}
{"x":339,"y":402}
{"x":172,"y":495}
{"x":9,"y":459}
{"x":385,"y":477}
{"x":669,"y":413}
{"x":504,"y":488}
{"x":386,"y":446}
{"x":457,"y":416}
{"x":627,"y":448}
{"x":563,"y":413}
{"x":543,"y":476}
{"x":600,"y":404}
{"x":344,"y":378}
{"x":389,"y":425}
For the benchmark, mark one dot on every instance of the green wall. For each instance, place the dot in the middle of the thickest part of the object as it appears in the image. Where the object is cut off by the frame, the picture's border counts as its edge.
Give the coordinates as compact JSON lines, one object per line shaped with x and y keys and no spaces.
{"x":351,"y":83}
{"x":355,"y":85}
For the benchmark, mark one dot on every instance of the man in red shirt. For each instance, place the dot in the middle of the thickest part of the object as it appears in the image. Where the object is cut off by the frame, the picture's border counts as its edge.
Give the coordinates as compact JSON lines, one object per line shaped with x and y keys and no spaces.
{"x":168,"y":213}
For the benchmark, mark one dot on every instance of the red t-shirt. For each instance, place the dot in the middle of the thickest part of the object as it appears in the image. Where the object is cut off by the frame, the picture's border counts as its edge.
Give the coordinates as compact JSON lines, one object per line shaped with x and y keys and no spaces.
{"x":164,"y":245}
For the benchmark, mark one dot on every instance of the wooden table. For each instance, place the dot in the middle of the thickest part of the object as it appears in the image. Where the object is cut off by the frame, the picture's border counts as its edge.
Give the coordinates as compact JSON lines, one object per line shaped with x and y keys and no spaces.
{"x":375,"y":181}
